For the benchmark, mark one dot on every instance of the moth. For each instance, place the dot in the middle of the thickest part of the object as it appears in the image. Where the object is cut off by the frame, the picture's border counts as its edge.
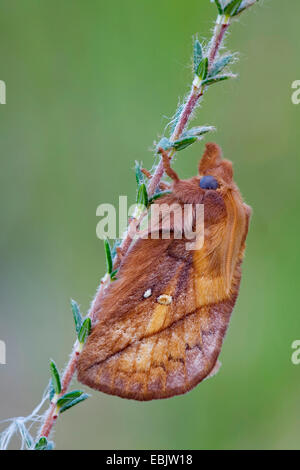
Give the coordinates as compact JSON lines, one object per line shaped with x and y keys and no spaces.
{"x":161,"y":324}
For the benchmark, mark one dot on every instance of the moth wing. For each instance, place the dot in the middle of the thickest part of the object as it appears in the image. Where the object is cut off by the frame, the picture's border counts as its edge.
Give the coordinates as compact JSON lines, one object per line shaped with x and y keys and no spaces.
{"x":146,"y":347}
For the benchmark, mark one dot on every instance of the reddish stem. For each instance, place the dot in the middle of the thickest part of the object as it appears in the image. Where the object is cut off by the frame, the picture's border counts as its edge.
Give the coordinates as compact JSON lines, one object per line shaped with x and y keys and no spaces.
{"x":216,"y":42}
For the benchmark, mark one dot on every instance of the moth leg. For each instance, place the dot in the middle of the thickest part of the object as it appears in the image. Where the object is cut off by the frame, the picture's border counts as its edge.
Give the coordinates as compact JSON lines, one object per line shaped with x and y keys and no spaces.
{"x":162,"y":185}
{"x":146,"y":173}
{"x":167,"y":167}
{"x":119,"y":252}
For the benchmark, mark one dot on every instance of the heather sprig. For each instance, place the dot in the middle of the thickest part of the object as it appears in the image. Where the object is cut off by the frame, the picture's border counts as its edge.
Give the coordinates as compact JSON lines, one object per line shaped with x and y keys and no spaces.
{"x":209,"y":68}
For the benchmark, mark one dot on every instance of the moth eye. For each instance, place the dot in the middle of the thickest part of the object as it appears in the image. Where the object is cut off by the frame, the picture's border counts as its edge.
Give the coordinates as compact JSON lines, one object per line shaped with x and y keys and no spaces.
{"x":208,"y":182}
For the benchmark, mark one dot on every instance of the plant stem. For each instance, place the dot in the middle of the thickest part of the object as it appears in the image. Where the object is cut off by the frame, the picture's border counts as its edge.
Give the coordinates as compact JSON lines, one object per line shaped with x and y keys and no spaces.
{"x":186,"y":114}
{"x":221,"y":27}
{"x":192,"y":101}
{"x":51,"y":415}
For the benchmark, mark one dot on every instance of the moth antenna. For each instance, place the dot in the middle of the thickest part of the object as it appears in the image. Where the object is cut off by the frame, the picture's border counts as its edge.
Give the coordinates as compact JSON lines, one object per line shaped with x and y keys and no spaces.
{"x":167,"y":167}
{"x":164,"y":186}
{"x":212,"y":157}
{"x":119,"y":252}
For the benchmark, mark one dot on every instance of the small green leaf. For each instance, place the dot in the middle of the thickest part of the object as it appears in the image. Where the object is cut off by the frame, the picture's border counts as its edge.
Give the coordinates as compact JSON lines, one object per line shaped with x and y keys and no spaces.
{"x":77,"y":315}
{"x":70,"y":399}
{"x":158,"y":195}
{"x":219,"y":78}
{"x":198,"y":54}
{"x":43,"y":444}
{"x":232,"y":8}
{"x":51,"y":390}
{"x":139,"y":176}
{"x":114,"y":248}
{"x":219,"y":6}
{"x":174,"y":121}
{"x":181,"y":144}
{"x":113,"y":275}
{"x":243,"y":8}
{"x":198,"y":131}
{"x":220,"y":65}
{"x":202,"y":69}
{"x":164,"y":143}
{"x":142,"y":195}
{"x":55,"y":377}
{"x":74,"y":402}
{"x":85,"y":330}
{"x":108,"y":257}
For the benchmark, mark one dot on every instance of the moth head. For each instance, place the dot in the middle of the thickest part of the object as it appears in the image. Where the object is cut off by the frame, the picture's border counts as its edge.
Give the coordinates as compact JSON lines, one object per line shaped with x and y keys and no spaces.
{"x":213,"y":186}
{"x":214,"y":180}
{"x":217,"y":186}
{"x":226,"y":216}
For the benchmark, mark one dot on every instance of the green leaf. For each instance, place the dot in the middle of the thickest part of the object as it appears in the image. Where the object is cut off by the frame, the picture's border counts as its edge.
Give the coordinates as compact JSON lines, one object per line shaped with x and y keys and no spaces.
{"x":51,"y":390}
{"x":219,"y":6}
{"x":181,"y":144}
{"x":174,"y":120}
{"x":243,"y":8}
{"x":70,"y":399}
{"x":198,"y":54}
{"x":139,"y":176}
{"x":85,"y":330}
{"x":158,"y":195}
{"x":219,"y":78}
{"x":220,"y":65}
{"x":55,"y":377}
{"x":202,"y":69}
{"x":77,"y":315}
{"x":164,"y":143}
{"x":43,"y":444}
{"x":114,"y":248}
{"x":232,"y":8}
{"x":142,"y":195}
{"x":75,"y":401}
{"x":198,"y":131}
{"x":113,"y":275}
{"x":108,"y":257}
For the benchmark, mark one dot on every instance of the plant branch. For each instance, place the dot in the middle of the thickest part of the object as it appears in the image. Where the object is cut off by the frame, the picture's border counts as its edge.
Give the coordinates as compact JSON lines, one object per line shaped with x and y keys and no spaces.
{"x":193,"y":99}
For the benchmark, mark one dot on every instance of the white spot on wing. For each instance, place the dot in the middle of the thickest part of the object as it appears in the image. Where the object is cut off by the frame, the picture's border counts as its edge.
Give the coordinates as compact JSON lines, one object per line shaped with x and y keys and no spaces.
{"x":147,"y":293}
{"x":164,"y":299}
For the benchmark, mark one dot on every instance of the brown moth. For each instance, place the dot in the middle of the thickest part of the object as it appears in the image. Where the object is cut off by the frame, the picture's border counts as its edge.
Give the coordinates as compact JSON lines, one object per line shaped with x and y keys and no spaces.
{"x":161,"y":324}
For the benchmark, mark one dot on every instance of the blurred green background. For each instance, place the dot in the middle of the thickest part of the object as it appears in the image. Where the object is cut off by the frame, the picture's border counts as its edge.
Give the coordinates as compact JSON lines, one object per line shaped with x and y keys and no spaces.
{"x":89,"y":84}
